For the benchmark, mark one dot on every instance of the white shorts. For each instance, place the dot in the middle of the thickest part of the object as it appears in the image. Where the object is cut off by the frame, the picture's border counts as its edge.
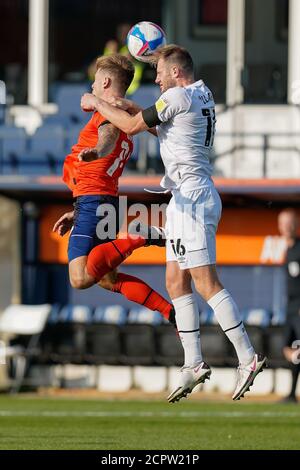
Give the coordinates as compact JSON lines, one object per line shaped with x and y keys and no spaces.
{"x":192,"y":219}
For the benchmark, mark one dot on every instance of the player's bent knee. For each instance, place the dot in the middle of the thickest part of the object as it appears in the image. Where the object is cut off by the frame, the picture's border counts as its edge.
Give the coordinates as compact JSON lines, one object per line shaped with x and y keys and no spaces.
{"x":108,"y":281}
{"x":105,"y":284}
{"x":79,"y":282}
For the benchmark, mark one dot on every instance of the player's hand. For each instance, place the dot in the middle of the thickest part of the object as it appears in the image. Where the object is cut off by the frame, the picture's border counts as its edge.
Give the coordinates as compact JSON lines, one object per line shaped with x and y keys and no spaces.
{"x":126,"y":105}
{"x":121,"y":103}
{"x":64,"y":224}
{"x":88,"y":155}
{"x":88,"y":102}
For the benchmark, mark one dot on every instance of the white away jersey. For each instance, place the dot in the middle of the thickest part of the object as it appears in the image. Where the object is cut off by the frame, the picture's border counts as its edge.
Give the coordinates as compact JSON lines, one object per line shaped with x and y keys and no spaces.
{"x":186,"y":135}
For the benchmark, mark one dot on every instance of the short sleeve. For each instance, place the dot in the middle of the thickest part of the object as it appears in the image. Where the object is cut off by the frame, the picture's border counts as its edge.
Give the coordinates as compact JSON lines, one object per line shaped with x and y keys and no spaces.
{"x":98,"y":119}
{"x":172,"y":102}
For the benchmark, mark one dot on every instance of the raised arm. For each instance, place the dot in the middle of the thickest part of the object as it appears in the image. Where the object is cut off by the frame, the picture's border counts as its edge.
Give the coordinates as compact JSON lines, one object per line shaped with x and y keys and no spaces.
{"x":132,"y":108}
{"x":121,"y":119}
{"x":107,"y":138}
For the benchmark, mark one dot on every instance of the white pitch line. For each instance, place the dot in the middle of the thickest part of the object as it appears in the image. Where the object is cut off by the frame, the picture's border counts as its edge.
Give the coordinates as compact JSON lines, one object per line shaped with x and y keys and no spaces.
{"x":150,"y":414}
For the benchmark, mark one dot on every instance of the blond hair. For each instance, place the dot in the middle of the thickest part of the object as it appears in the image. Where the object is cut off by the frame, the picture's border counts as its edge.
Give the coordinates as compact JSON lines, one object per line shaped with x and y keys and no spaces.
{"x":175,"y":55}
{"x":119,"y":67}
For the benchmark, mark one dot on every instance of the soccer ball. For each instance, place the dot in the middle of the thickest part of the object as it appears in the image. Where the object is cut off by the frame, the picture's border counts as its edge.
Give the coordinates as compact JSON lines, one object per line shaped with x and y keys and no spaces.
{"x":143,"y":39}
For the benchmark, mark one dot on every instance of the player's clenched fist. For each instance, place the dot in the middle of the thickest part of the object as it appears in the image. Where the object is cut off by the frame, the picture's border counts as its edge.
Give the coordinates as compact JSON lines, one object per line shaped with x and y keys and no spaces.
{"x":88,"y":155}
{"x":88,"y":102}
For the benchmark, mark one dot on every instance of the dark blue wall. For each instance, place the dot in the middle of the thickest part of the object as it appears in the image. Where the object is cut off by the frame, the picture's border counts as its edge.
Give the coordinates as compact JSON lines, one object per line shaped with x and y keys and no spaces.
{"x":251,"y":286}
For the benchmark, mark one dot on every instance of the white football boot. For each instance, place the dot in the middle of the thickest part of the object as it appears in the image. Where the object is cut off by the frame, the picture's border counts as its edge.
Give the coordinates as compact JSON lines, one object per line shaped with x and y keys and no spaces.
{"x":155,"y":236}
{"x":246,"y":375}
{"x":189,"y":378}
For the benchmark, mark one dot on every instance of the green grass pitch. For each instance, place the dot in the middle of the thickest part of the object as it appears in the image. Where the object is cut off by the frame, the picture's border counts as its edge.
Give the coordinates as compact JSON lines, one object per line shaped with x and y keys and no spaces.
{"x":60,"y":423}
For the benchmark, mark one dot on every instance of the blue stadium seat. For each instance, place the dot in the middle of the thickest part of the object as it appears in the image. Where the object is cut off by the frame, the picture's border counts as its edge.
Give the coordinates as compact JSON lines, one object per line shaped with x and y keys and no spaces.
{"x":144,"y":316}
{"x":72,"y":136}
{"x":54,"y":314}
{"x":76,"y":314}
{"x":14,"y":146}
{"x":68,"y":100}
{"x":59,"y":168}
{"x":69,"y":120}
{"x":204,"y":317}
{"x":8,"y":168}
{"x":207,"y":316}
{"x":57,"y":120}
{"x":31,"y":167}
{"x":46,"y":150}
{"x":60,"y":89}
{"x":257,"y":317}
{"x":48,"y":140}
{"x":113,"y":314}
{"x":146,"y":95}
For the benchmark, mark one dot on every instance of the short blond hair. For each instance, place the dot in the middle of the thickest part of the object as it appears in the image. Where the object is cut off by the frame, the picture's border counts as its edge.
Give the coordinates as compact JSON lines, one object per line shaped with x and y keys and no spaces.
{"x":119,"y":67}
{"x":175,"y":55}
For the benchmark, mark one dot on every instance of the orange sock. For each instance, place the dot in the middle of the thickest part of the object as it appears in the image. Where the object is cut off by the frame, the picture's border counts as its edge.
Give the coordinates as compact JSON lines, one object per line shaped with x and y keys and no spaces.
{"x":104,"y":258}
{"x":138,"y":291}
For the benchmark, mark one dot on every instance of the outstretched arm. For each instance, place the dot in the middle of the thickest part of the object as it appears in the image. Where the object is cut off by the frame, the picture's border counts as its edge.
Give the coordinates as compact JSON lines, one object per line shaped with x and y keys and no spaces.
{"x":121,"y":119}
{"x":132,"y":108}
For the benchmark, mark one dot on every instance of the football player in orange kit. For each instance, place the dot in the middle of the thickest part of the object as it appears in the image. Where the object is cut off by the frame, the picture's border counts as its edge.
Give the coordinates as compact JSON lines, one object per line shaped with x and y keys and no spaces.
{"x":92,"y":172}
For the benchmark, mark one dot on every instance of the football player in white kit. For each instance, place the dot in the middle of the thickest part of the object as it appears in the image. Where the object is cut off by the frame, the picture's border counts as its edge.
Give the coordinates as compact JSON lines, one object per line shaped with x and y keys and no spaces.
{"x":184,"y":118}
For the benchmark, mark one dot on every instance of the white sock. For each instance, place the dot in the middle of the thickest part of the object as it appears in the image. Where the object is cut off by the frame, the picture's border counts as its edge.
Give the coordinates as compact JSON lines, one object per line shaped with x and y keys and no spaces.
{"x":229,"y":318}
{"x":187,"y":320}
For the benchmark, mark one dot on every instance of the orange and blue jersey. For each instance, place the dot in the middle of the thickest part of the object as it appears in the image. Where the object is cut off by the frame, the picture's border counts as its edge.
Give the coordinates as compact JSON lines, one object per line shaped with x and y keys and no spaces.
{"x":93,"y":184}
{"x":99,"y":176}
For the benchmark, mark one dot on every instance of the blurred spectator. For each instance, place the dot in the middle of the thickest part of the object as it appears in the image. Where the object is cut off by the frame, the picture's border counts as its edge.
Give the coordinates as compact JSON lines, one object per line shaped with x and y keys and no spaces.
{"x":288,"y":223}
{"x":119,"y":45}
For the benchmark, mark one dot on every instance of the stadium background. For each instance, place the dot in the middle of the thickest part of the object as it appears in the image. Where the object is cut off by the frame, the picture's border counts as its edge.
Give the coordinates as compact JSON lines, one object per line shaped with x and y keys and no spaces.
{"x":246,"y":52}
